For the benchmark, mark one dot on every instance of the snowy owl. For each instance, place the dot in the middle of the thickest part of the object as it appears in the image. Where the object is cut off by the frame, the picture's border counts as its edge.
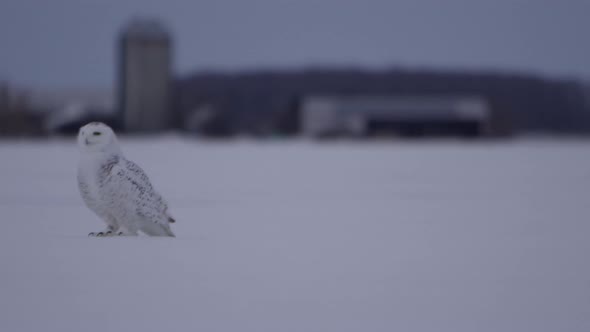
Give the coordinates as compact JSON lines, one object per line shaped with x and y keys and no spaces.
{"x":116,"y":189}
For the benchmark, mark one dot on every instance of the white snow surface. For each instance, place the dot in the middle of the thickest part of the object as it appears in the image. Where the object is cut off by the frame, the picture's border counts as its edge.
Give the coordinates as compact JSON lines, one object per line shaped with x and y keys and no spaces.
{"x":295,"y":236}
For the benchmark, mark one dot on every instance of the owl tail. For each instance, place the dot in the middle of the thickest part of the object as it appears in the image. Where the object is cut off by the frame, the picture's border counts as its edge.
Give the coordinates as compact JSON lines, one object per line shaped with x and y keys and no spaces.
{"x":169,"y":232}
{"x":167,"y":227}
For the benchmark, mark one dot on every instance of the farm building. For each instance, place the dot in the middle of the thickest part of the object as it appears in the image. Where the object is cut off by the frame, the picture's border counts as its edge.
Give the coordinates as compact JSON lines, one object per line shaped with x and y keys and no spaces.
{"x":359,"y":116}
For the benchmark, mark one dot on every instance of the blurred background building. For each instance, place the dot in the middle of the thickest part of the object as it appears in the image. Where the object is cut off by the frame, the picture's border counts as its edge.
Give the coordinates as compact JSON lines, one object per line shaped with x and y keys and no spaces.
{"x":409,"y":116}
{"x":145,"y":76}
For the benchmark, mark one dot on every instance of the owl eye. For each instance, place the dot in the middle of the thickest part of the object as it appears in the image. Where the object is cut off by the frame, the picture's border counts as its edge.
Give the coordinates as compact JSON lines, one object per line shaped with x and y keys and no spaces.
{"x":96,"y":133}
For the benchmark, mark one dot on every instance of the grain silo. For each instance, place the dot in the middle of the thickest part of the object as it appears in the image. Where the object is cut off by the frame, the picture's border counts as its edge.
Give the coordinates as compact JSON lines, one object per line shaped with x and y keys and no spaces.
{"x":145,"y":71}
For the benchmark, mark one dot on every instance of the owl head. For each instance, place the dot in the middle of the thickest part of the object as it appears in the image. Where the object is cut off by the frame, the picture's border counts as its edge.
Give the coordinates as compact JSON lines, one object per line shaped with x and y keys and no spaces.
{"x":98,"y":137}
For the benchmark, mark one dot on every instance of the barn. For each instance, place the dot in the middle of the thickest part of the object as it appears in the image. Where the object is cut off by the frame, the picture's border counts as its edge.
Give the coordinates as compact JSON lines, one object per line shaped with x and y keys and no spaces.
{"x":407,"y":116}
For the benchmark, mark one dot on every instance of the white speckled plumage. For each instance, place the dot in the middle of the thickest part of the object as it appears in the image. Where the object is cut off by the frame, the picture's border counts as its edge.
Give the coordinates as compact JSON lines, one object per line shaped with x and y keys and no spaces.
{"x":116,"y":189}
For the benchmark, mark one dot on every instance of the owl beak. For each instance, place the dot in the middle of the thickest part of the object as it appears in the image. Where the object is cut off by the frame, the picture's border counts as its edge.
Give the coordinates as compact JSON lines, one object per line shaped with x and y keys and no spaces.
{"x":86,"y":141}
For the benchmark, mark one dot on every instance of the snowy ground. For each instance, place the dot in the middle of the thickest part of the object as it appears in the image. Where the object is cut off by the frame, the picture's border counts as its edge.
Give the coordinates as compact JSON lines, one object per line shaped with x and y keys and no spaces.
{"x":300,"y":237}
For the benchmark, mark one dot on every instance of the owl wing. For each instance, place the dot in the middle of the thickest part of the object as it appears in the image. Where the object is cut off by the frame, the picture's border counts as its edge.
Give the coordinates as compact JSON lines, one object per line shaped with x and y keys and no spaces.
{"x":129,"y":187}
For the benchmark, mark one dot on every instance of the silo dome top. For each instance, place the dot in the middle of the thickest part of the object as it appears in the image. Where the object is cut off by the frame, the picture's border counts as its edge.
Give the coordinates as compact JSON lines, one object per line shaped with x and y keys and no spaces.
{"x":145,"y":28}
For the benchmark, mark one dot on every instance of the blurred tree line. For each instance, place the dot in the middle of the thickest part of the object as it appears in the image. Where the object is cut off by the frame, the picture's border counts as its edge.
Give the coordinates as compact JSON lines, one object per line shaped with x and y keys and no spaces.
{"x":17,"y":117}
{"x":267,"y":102}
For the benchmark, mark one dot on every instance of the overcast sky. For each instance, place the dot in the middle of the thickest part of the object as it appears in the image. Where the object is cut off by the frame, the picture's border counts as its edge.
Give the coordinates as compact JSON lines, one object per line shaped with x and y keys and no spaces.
{"x":69,"y":43}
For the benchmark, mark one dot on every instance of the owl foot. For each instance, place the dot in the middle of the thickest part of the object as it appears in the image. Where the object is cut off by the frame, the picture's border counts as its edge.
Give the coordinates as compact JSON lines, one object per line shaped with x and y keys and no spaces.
{"x":101,"y":234}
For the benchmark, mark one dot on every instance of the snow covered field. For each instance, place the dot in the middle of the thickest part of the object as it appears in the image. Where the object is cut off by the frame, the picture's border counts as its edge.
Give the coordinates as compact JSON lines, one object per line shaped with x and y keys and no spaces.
{"x":299,"y":237}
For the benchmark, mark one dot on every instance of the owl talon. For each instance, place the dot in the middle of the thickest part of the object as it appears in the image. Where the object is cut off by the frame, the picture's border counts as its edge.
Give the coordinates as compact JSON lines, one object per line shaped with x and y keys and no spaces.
{"x":91,"y":234}
{"x":100,"y":234}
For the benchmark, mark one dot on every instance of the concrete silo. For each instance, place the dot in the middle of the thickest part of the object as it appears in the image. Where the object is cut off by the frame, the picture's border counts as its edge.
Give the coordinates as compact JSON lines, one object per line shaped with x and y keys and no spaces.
{"x":145,"y":73}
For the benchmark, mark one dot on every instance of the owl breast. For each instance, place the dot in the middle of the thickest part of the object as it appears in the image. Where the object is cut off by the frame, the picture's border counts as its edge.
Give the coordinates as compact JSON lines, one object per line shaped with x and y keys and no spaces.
{"x":88,"y":187}
{"x":89,"y":182}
